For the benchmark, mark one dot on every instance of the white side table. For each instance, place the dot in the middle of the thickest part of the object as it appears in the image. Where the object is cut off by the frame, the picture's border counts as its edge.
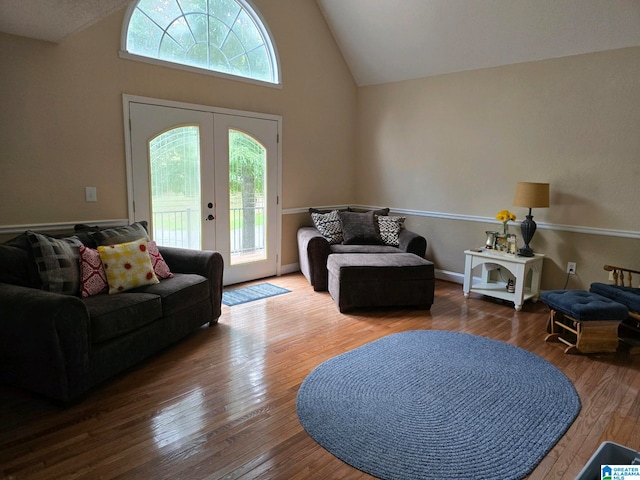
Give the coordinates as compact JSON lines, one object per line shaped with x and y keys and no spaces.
{"x":527,"y":272}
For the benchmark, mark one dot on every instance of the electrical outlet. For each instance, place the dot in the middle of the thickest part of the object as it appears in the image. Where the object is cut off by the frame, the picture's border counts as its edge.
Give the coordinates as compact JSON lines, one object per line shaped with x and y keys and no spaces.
{"x":571,"y":268}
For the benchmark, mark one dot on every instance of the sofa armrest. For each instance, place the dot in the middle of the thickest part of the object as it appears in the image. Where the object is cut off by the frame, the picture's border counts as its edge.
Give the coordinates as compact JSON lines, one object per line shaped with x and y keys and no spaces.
{"x":44,"y":342}
{"x":412,"y":242}
{"x":313,"y":251}
{"x":207,"y":263}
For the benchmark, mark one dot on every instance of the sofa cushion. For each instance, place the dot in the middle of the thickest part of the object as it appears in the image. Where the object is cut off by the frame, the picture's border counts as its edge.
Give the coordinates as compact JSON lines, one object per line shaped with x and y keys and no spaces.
{"x":320,"y":210}
{"x":113,"y":316}
{"x":179,"y":292}
{"x":116,"y":235}
{"x":380,"y":211}
{"x":359,"y":228}
{"x":390,"y":227}
{"x":57,"y":262}
{"x":127,"y":265}
{"x":364,"y":249}
{"x":15,"y":267}
{"x":628,"y":296}
{"x":328,"y":224}
{"x":584,"y":306}
{"x":399,"y":266}
{"x":19,"y":267}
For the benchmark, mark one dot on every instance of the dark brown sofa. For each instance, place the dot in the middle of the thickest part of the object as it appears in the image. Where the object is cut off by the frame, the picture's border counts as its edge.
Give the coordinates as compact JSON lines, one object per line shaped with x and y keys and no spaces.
{"x":61,"y":345}
{"x":314,"y":250}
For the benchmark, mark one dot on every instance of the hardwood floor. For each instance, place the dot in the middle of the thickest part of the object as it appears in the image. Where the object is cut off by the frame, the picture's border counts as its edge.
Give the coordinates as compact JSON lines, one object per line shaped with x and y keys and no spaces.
{"x":221,"y":403}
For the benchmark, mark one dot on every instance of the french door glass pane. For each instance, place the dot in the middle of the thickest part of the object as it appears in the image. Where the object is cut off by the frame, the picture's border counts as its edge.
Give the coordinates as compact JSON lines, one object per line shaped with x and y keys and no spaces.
{"x":247,"y":188}
{"x":174,"y":158}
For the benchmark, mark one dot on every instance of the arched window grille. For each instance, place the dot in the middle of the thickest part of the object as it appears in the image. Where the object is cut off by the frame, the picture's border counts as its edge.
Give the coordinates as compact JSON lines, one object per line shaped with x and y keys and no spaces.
{"x":223,"y":36}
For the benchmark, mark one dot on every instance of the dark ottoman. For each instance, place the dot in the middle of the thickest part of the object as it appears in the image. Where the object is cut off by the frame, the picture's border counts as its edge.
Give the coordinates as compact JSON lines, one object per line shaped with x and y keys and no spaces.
{"x":380,"y":280}
{"x":585,"y":321}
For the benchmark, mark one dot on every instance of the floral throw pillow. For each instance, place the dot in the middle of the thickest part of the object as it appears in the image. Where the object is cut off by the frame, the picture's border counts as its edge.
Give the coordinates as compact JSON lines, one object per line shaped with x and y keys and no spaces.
{"x":93,"y":280}
{"x":127,"y":265}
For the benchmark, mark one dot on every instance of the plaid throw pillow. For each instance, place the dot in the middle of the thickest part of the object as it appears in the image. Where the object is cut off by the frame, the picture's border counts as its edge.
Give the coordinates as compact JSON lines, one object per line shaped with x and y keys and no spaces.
{"x":57,"y":261}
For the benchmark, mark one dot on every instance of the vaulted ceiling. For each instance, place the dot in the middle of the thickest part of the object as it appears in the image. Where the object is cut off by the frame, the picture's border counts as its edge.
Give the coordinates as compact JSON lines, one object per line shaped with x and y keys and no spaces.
{"x":53,"y":20}
{"x":392,"y":40}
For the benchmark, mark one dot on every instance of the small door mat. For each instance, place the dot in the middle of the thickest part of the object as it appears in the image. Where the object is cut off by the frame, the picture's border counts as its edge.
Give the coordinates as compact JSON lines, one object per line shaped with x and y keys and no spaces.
{"x":251,"y":293}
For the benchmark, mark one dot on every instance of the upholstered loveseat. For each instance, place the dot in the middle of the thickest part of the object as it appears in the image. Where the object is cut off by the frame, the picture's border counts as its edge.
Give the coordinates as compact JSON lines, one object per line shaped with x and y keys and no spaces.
{"x":59,"y":341}
{"x":366,"y":232}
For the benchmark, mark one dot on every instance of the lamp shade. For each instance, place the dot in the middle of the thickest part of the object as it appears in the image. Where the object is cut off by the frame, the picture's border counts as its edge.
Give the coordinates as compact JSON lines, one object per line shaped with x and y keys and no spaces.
{"x":532,"y":195}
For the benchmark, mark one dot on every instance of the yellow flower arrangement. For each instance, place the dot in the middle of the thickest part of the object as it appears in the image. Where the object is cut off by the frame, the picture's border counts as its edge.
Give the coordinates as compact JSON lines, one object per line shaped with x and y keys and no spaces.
{"x":505,"y":216}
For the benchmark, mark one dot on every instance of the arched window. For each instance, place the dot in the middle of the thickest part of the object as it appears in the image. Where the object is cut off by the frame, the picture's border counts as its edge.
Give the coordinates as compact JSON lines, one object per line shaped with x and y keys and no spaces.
{"x":223,"y":36}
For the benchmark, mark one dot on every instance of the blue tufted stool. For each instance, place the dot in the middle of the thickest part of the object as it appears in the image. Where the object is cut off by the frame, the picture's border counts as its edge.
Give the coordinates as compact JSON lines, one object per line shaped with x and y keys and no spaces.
{"x":585,"y":321}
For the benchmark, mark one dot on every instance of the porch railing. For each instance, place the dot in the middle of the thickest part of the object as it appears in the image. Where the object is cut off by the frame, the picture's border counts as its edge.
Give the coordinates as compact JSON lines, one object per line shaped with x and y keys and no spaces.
{"x":181,"y":228}
{"x":241,"y":245}
{"x":175,"y":228}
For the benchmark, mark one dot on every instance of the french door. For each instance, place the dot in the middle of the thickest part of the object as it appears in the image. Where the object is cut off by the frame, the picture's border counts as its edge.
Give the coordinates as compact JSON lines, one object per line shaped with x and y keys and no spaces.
{"x":207,"y":179}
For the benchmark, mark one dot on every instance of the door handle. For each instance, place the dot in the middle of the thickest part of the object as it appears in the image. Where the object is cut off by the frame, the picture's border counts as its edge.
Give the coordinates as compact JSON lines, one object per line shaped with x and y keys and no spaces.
{"x":210,"y":217}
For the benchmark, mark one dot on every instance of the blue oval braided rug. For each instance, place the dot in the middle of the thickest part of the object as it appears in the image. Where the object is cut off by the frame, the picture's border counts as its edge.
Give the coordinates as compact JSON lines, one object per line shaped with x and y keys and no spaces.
{"x":438,"y":405}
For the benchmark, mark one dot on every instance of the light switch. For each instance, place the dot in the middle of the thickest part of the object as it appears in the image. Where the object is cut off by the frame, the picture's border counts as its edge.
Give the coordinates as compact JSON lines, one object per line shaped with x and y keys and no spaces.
{"x":91,"y":194}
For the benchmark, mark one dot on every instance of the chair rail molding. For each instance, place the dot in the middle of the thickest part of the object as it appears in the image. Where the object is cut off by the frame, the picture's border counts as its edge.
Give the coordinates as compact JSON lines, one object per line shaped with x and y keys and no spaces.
{"x":476,"y":218}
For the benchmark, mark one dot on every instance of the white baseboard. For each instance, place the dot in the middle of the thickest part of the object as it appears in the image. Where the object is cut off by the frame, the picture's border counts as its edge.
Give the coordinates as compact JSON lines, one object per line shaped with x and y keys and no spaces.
{"x":454,"y":277}
{"x":290,"y":268}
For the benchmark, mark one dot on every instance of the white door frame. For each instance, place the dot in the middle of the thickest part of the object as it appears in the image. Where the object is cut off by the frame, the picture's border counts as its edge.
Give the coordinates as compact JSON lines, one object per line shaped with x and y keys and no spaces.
{"x":127,"y":99}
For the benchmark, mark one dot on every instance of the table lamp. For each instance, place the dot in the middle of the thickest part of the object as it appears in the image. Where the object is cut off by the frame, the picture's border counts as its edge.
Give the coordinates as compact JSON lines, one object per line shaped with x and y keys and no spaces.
{"x":530,"y":195}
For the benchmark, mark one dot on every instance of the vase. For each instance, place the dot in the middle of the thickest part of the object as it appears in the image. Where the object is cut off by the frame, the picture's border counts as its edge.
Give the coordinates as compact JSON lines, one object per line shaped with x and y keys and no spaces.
{"x":491,"y":239}
{"x":505,"y":229}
